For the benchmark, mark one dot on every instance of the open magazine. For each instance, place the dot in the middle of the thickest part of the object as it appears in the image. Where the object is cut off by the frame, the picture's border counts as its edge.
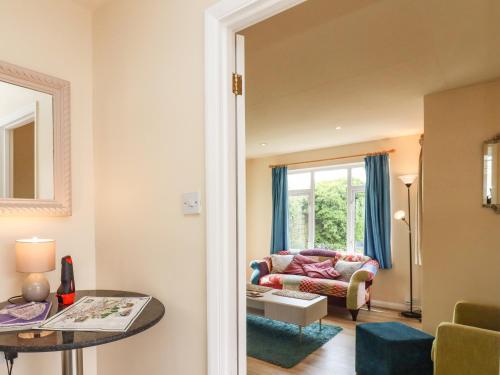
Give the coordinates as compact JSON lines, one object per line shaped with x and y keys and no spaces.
{"x":25,"y":316}
{"x":107,"y":314}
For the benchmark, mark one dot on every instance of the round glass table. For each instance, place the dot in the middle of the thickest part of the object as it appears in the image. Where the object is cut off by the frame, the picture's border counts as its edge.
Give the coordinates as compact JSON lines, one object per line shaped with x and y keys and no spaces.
{"x":71,"y":343}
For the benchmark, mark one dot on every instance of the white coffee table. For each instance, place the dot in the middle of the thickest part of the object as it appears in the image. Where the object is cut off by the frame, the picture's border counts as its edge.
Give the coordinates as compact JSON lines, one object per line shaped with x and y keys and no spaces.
{"x":289,"y":310}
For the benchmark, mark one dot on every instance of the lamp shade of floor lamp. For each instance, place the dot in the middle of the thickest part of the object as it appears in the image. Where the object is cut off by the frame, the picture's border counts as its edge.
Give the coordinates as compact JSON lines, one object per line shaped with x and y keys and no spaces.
{"x":35,"y":256}
{"x":400,"y":215}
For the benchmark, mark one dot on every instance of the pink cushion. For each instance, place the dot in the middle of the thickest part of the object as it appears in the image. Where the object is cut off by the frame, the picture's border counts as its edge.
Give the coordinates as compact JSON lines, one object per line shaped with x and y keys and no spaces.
{"x":296,"y":266}
{"x":323,"y":270}
{"x":273,"y":280}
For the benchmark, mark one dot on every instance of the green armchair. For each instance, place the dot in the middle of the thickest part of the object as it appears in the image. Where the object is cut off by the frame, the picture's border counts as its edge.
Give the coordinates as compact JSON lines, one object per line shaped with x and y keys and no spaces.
{"x":471,"y":344}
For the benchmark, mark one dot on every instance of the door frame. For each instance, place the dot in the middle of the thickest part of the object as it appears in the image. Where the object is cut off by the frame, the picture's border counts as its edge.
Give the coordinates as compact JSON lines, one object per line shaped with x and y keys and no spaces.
{"x":226,"y":261}
{"x":14,"y":120}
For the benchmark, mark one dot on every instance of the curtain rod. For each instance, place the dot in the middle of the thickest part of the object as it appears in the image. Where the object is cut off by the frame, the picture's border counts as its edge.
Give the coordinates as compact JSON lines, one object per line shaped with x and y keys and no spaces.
{"x":334,"y":158}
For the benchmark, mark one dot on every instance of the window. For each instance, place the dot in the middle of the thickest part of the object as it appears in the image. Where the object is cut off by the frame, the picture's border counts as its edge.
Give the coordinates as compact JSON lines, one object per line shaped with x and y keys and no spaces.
{"x":327,"y":208}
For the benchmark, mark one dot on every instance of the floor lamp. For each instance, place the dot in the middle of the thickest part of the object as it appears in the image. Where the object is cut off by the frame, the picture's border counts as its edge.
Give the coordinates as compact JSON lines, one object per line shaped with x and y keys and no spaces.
{"x":400,"y":215}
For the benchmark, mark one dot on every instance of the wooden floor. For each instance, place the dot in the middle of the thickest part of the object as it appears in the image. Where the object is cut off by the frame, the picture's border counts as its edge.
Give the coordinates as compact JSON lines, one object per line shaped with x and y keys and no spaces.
{"x":336,"y":357}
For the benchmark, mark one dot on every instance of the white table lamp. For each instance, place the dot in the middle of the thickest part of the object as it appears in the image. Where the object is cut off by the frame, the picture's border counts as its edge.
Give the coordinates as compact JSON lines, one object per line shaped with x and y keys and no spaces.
{"x":35,"y":256}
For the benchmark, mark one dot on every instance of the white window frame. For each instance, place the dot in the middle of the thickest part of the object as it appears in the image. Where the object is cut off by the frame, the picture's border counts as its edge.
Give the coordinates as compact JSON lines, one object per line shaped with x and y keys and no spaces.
{"x":351,"y":197}
{"x":309,"y":193}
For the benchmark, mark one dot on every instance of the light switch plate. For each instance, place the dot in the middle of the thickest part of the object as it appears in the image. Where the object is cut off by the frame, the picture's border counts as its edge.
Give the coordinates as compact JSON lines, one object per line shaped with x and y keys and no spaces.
{"x":191,"y":203}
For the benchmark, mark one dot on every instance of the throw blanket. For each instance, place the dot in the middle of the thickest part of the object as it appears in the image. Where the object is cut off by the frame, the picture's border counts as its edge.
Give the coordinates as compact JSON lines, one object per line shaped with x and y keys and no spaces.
{"x":292,"y":282}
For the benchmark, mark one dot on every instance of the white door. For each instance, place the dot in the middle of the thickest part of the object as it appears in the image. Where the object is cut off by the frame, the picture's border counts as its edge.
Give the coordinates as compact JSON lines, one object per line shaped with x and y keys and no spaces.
{"x":241,"y":199}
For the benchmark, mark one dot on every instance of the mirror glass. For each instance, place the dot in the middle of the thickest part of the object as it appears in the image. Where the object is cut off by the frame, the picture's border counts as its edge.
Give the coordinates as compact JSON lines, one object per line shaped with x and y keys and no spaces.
{"x":26,"y":143}
{"x":491,"y":175}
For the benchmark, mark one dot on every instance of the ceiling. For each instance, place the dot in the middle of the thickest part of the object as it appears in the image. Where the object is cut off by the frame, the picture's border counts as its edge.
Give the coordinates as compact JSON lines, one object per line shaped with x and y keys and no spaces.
{"x":362,"y":65}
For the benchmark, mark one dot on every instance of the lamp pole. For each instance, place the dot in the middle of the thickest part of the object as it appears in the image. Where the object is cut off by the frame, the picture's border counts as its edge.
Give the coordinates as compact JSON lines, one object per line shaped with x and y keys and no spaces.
{"x":410,"y":314}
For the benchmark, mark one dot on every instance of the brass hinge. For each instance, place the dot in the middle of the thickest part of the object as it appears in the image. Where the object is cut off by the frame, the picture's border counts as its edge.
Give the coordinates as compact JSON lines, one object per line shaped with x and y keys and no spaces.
{"x":237,"y":84}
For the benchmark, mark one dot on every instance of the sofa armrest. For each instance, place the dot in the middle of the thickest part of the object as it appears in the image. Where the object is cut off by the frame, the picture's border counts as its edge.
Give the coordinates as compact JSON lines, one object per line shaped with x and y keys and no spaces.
{"x":460,"y":349}
{"x":369,"y":270}
{"x":356,"y":291}
{"x":260,"y":268}
{"x":475,"y":315}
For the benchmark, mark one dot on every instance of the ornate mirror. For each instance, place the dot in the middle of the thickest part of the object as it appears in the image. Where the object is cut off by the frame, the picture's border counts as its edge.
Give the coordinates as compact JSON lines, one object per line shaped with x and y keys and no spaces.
{"x":491,"y":174}
{"x":35,"y":177}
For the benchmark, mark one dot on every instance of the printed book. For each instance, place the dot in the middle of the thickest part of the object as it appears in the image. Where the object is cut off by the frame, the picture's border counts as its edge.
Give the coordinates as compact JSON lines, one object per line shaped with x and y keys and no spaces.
{"x":107,"y":314}
{"x":25,"y":316}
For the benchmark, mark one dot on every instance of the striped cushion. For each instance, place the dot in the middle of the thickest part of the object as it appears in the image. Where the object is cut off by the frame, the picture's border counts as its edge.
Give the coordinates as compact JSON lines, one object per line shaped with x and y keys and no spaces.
{"x":326,"y":287}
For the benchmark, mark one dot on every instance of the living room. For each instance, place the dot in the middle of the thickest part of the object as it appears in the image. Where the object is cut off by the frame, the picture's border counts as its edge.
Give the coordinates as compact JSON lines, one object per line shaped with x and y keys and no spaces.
{"x":319,"y":104}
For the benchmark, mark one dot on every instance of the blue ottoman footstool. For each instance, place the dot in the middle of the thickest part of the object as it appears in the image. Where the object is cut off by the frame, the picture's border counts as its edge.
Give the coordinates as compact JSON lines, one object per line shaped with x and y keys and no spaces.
{"x":392,"y":349}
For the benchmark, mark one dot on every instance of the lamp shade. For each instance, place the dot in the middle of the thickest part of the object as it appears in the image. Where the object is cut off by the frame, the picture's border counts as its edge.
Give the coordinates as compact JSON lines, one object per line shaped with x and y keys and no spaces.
{"x":408,"y":178}
{"x":35,"y":255}
{"x":399,"y":215}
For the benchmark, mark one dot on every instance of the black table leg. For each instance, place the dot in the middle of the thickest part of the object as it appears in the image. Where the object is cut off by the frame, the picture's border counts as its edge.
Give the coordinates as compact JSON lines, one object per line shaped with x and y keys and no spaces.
{"x":9,"y":357}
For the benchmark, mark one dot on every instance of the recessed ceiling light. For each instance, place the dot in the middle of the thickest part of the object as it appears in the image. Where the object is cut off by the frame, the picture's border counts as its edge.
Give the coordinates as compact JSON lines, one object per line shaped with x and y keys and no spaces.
{"x":263,"y":144}
{"x":338,"y":127}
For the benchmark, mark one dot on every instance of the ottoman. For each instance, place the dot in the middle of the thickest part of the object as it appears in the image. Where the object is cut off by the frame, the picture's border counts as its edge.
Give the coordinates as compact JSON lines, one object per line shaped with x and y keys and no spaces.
{"x":392,"y":349}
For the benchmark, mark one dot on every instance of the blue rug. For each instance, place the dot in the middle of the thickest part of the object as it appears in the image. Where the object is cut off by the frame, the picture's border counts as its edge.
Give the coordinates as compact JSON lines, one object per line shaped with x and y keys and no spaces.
{"x":279,"y":343}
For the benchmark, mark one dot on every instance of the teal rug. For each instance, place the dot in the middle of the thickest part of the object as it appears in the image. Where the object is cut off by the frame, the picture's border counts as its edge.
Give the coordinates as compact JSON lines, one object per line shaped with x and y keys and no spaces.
{"x":279,"y":343}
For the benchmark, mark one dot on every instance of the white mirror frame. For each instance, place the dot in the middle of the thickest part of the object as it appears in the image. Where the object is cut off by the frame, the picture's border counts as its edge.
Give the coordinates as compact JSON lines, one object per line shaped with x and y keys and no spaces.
{"x":60,"y":91}
{"x":494,"y":206}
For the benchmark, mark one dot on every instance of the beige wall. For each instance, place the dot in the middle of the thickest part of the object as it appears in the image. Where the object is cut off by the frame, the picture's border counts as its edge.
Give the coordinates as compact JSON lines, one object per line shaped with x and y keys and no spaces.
{"x":461,"y":242}
{"x":54,"y":37}
{"x":391,"y":286}
{"x":149,"y":81}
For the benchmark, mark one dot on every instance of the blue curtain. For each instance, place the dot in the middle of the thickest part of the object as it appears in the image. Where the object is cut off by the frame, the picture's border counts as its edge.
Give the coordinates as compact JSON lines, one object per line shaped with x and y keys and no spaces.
{"x":378,"y":210}
{"x":279,"y":239}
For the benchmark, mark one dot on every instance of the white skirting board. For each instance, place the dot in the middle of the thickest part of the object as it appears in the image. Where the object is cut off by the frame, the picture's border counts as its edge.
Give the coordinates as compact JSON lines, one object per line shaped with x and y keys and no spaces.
{"x":393,"y":305}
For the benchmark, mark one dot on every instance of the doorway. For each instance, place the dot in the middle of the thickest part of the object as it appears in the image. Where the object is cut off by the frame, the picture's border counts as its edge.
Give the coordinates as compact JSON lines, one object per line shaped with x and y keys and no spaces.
{"x":22,"y":161}
{"x":225,"y":309}
{"x":225,"y":170}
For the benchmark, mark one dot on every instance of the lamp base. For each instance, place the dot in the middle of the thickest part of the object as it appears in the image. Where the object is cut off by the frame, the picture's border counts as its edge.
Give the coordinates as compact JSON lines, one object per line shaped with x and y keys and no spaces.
{"x":34,"y":334}
{"x":36,"y":288}
{"x":412,"y":315}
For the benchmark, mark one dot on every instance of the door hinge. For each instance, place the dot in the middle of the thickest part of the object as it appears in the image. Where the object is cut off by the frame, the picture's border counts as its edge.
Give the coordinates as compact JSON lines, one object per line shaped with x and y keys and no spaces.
{"x":237,"y":84}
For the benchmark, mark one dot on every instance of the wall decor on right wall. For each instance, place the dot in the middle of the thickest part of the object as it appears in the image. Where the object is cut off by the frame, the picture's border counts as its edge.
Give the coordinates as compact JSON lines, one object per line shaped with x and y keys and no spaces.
{"x":491,"y":173}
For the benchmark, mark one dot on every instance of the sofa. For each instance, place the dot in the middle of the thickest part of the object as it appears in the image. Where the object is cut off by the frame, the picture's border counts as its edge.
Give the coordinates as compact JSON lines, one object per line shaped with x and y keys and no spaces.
{"x":349,"y":290}
{"x":471,"y":344}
